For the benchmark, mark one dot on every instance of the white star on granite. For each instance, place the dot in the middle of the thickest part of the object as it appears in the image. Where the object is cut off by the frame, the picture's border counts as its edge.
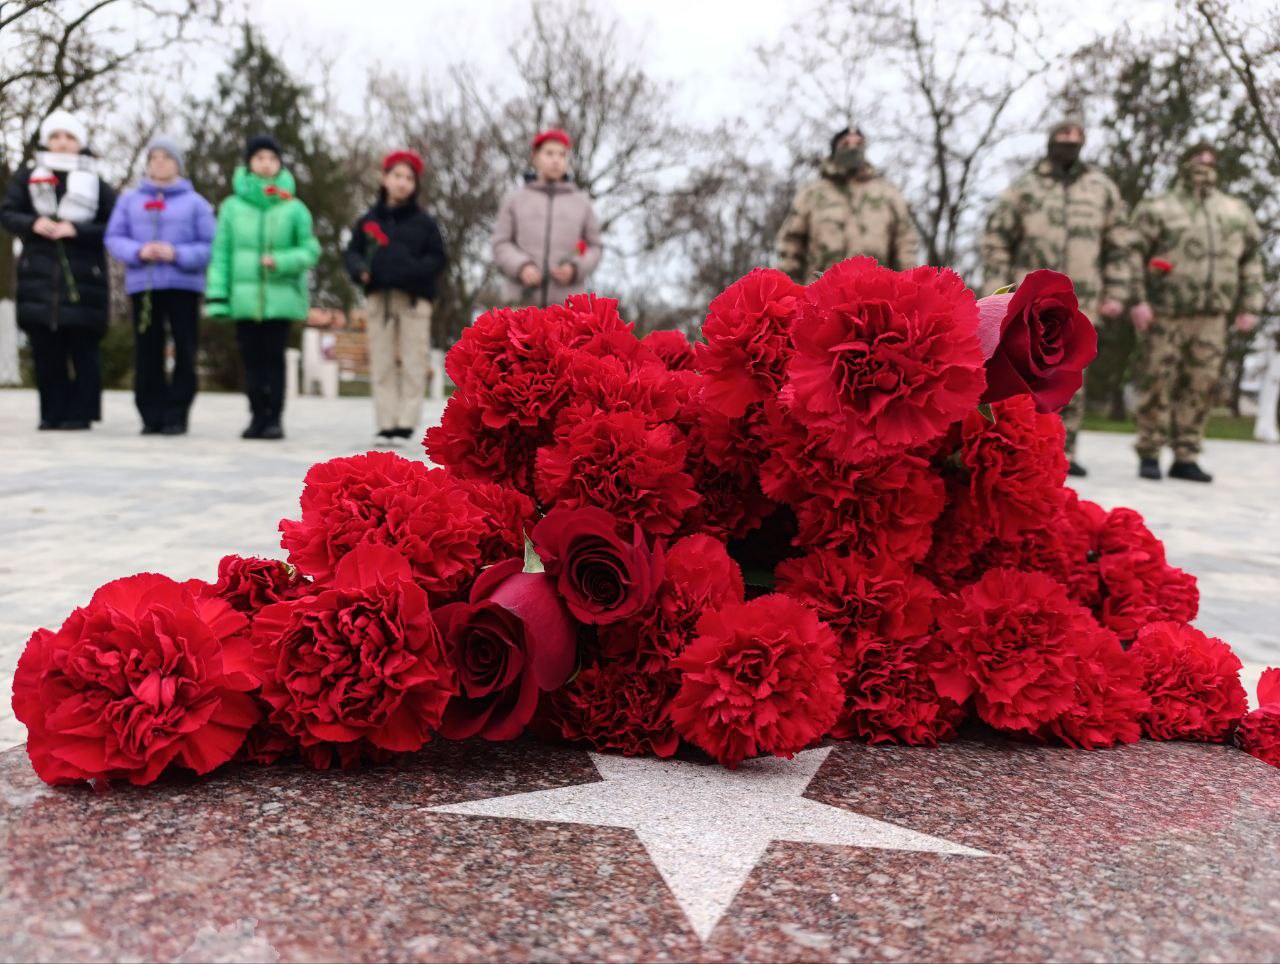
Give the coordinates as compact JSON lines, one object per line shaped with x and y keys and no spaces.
{"x":706,"y":827}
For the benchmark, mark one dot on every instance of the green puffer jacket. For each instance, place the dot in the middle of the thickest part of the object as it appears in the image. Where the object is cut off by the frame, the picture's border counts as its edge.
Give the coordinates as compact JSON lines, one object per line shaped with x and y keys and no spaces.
{"x":262,"y":217}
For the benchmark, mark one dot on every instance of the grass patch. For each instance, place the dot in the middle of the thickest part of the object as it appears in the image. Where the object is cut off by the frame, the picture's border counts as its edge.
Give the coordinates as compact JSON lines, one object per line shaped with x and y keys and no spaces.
{"x":1237,"y":427}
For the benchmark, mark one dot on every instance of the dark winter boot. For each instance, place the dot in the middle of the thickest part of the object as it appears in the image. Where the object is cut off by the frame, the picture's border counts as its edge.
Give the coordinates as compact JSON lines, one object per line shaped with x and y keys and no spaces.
{"x":1076,"y":470}
{"x":1189,"y":472}
{"x":1149,"y":469}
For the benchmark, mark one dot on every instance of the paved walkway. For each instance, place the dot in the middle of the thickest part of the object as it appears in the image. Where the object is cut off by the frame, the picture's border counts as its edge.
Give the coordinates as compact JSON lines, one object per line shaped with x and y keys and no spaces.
{"x":79,"y":509}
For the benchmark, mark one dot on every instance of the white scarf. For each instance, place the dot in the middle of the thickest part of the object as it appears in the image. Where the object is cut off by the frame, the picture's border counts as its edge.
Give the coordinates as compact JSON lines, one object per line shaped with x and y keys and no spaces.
{"x":80,"y":202}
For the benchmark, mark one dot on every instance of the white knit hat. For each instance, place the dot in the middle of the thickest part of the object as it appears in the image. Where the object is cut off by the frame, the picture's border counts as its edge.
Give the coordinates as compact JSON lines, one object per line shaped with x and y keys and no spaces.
{"x":64,"y":120}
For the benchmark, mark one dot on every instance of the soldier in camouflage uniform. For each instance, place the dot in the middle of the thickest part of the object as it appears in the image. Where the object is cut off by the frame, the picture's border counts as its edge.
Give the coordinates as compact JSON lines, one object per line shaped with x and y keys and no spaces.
{"x":1067,"y":216}
{"x":850,"y":210}
{"x":1198,"y":258}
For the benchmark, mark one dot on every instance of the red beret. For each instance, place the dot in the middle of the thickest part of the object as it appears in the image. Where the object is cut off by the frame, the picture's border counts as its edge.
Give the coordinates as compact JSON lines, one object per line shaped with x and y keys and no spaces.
{"x":403,"y":157}
{"x":553,"y":134}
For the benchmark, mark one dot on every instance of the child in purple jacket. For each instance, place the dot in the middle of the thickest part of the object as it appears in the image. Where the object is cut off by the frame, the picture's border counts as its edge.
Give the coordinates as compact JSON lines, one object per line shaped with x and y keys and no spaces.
{"x":163,"y":232}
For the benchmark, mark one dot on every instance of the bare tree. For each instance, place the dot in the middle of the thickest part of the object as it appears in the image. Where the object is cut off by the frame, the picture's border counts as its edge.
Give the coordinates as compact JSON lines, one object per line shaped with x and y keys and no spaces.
{"x":934,"y":85}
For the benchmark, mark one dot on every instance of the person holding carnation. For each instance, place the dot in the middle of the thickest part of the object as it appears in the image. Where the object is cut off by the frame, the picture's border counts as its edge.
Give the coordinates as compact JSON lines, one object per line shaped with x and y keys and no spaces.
{"x":1198,"y":262}
{"x":546,"y":242}
{"x":850,"y":210}
{"x":59,"y":207}
{"x":258,"y":275}
{"x":396,"y":255}
{"x":1065,"y":215}
{"x":163,"y":232}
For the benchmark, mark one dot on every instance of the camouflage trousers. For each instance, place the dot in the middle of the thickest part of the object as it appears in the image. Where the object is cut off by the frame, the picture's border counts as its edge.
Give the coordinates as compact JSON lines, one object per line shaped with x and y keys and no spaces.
{"x":1178,"y":364}
{"x":1072,"y":418}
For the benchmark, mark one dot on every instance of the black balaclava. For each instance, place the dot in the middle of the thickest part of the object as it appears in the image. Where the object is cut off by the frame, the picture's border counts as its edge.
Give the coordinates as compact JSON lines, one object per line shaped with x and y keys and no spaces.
{"x":1063,"y":155}
{"x":848,"y":160}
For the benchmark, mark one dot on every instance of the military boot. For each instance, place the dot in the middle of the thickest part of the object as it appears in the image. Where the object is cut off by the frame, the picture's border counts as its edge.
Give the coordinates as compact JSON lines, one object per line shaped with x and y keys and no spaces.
{"x":1189,"y":472}
{"x":1149,"y":469}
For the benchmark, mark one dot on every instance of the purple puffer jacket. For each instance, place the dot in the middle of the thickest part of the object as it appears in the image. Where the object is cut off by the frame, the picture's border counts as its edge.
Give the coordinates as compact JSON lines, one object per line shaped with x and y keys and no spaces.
{"x":187,"y":222}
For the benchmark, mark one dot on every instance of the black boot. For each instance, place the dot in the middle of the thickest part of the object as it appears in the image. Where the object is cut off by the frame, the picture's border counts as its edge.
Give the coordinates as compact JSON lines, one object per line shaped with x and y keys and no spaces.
{"x":1149,"y":469}
{"x":255,"y":428}
{"x":272,"y":430}
{"x":1076,"y":470}
{"x":1189,"y":472}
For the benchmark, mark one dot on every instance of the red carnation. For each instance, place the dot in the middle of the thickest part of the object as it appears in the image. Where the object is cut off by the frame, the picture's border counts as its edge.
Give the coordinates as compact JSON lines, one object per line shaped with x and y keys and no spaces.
{"x":883,"y":360}
{"x":1109,"y":699}
{"x":891,"y":697}
{"x":512,"y":640}
{"x":1036,"y":341}
{"x":724,"y":460}
{"x":1015,"y":467}
{"x":464,"y":443}
{"x":511,"y":362}
{"x":698,"y":576}
{"x":617,"y":462}
{"x":156,"y":204}
{"x":1013,"y":638}
{"x":272,"y":190}
{"x":360,"y":658}
{"x":1193,"y":681}
{"x":747,"y":332}
{"x":602,"y":577}
{"x":1161,"y":265}
{"x":760,"y":678}
{"x":147,"y":675}
{"x":380,"y":498}
{"x":581,"y":246}
{"x":617,"y":708}
{"x":886,"y":505}
{"x":589,"y":322}
{"x":249,"y":583}
{"x":675,"y":350}
{"x":1137,"y":585}
{"x":375,"y":232}
{"x":1259,"y":731}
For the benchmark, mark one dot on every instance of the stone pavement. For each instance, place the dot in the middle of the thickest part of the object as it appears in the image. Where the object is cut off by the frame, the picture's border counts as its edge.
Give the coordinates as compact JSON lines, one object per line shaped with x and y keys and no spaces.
{"x":79,"y":509}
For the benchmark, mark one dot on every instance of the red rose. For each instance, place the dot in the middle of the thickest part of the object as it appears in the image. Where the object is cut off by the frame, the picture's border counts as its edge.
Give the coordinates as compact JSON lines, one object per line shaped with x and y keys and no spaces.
{"x":464,"y":443}
{"x":890,"y":695}
{"x":698,"y":575}
{"x":1161,"y":265}
{"x":1013,"y":638}
{"x":1193,"y":681}
{"x":1036,"y":341}
{"x":617,"y":708}
{"x":249,"y":583}
{"x":747,"y":332}
{"x":1109,"y":699}
{"x":361,"y":658}
{"x":617,"y":462}
{"x":602,"y":578}
{"x":1259,"y":731}
{"x":1015,"y":465}
{"x":425,"y":514}
{"x":511,"y":641}
{"x":148,"y":674}
{"x":760,"y":678}
{"x":673,"y":348}
{"x":883,"y":360}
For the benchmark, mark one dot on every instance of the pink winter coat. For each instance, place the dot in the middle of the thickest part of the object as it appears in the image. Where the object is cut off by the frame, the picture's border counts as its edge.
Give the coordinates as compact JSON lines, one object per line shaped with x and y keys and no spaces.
{"x":546,"y":225}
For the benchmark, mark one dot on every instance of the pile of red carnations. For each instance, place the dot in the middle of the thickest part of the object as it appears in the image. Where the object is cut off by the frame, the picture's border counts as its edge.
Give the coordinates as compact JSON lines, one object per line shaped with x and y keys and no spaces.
{"x":841,"y":514}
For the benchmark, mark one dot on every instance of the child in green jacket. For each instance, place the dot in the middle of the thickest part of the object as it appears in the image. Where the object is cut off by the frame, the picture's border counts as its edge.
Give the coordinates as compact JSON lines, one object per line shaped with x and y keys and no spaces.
{"x":262,"y":254}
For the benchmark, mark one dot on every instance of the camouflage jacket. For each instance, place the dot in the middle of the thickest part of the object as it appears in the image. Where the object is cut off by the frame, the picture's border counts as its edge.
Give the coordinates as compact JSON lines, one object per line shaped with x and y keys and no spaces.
{"x":1213,"y":247}
{"x":1074,"y":224}
{"x":837,"y":217}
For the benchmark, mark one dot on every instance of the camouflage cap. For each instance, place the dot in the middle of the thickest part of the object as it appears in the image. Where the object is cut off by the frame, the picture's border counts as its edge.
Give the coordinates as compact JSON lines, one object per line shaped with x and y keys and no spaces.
{"x":1065,"y":124}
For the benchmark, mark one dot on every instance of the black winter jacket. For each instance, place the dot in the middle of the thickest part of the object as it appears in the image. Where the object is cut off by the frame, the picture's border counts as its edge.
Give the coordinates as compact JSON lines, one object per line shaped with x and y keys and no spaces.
{"x":43,"y":298}
{"x":411,"y":262}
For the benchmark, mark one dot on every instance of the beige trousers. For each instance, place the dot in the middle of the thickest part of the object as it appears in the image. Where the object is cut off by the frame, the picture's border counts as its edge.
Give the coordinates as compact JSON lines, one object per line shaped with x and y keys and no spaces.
{"x":399,"y":356}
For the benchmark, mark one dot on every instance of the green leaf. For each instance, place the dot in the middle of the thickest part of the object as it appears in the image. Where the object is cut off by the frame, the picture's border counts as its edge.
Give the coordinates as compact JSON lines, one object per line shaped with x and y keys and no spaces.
{"x":531,"y":561}
{"x":985,"y":411}
{"x":1005,"y":290}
